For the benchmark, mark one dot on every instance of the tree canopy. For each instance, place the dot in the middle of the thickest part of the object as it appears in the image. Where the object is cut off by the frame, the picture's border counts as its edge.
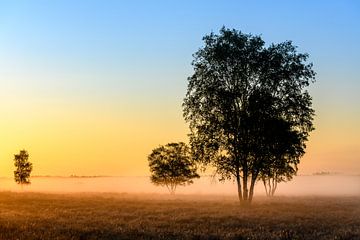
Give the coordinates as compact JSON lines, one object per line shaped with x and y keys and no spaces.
{"x":171,"y":165}
{"x":247,"y":106}
{"x":23,"y":167}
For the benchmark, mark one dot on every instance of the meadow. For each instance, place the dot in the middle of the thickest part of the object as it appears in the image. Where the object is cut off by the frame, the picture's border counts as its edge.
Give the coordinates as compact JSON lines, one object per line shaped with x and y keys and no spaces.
{"x":29,"y":215}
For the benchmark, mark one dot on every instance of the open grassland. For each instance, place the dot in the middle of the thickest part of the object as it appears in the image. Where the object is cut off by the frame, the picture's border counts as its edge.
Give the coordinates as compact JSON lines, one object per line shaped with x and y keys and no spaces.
{"x":136,"y":216}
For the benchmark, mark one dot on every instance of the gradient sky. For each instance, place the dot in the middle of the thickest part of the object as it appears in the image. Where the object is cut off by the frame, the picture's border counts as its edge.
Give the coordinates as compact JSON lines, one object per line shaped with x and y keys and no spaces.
{"x":91,"y":87}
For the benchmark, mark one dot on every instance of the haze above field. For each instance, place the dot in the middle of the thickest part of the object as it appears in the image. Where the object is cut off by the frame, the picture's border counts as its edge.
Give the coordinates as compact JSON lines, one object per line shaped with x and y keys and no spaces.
{"x":314,"y":185}
{"x":90,"y":88}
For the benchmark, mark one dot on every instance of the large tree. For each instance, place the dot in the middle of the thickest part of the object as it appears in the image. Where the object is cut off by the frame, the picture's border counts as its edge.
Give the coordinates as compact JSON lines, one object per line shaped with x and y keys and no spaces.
{"x":171,"y":165}
{"x":23,"y":168}
{"x":241,"y":97}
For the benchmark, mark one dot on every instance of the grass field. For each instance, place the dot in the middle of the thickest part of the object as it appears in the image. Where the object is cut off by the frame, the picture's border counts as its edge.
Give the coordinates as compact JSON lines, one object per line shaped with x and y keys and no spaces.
{"x":143,"y":216}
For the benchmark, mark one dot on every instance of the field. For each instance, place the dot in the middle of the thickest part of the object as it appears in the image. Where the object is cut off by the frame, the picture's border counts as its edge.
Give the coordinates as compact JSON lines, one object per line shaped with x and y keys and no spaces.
{"x":144,"y":216}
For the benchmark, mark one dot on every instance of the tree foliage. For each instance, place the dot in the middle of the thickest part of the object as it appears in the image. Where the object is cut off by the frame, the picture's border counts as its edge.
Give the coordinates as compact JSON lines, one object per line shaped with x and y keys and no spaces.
{"x":23,"y":167}
{"x":247,"y":106}
{"x":171,"y":165}
{"x":281,"y":165}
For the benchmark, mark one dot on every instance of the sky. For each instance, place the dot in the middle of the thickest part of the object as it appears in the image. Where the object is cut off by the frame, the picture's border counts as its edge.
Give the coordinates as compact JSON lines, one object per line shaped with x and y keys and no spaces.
{"x":91,"y":87}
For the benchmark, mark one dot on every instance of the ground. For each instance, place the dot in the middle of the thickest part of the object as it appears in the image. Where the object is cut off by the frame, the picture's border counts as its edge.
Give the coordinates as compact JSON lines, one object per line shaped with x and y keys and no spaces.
{"x":144,"y":216}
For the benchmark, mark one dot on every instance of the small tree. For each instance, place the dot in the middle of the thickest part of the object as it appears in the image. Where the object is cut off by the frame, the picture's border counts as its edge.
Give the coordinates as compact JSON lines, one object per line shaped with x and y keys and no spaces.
{"x":23,"y":168}
{"x":283,"y":172}
{"x":171,"y":165}
{"x":281,"y":148}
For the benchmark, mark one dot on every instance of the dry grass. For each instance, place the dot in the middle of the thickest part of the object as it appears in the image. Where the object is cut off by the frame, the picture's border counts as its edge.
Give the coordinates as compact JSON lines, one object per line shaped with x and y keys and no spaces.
{"x":130,"y":216}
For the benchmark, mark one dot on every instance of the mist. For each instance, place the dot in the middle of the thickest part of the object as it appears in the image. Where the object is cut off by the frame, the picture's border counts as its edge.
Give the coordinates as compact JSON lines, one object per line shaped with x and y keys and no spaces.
{"x":336,"y":185}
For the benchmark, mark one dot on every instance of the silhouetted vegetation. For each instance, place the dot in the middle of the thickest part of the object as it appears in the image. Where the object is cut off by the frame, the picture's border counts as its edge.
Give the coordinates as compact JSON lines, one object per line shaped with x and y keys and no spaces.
{"x":23,"y":167}
{"x":248,"y":109}
{"x":171,"y":165}
{"x":125,"y":216}
{"x":324,"y":173}
{"x":286,"y":149}
{"x":273,"y":175}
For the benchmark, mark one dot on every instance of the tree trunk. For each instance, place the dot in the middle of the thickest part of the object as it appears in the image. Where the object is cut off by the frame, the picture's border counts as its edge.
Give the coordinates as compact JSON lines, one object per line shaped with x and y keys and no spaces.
{"x":252,"y":186}
{"x":274,"y":187}
{"x":238,"y":182}
{"x":171,"y":188}
{"x":245,"y":185}
{"x":267,"y":191}
{"x":270,"y":186}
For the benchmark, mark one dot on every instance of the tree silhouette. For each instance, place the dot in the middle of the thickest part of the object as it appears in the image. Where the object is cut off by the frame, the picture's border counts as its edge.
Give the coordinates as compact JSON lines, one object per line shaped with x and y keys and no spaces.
{"x":242,"y":98}
{"x":283,"y":151}
{"x":23,"y":168}
{"x":274,"y":175}
{"x":171,"y":166}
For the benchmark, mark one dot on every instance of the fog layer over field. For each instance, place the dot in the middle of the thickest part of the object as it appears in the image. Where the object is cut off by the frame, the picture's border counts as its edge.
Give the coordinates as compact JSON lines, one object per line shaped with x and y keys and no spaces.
{"x":300,"y":185}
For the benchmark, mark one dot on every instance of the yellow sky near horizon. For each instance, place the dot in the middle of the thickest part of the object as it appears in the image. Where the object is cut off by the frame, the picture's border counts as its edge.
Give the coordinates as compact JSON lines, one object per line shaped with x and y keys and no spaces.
{"x":86,"y":140}
{"x":65,"y":138}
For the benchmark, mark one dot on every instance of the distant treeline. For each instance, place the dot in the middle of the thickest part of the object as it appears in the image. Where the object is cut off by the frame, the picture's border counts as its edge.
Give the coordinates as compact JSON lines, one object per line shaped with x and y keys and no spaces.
{"x":325,"y":173}
{"x":71,"y":176}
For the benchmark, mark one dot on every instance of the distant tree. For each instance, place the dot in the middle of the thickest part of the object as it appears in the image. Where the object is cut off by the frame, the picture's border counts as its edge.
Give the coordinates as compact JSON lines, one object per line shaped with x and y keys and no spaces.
{"x":23,"y":168}
{"x":276,"y":175}
{"x":238,"y":90}
{"x":284,"y":150}
{"x":171,"y":165}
